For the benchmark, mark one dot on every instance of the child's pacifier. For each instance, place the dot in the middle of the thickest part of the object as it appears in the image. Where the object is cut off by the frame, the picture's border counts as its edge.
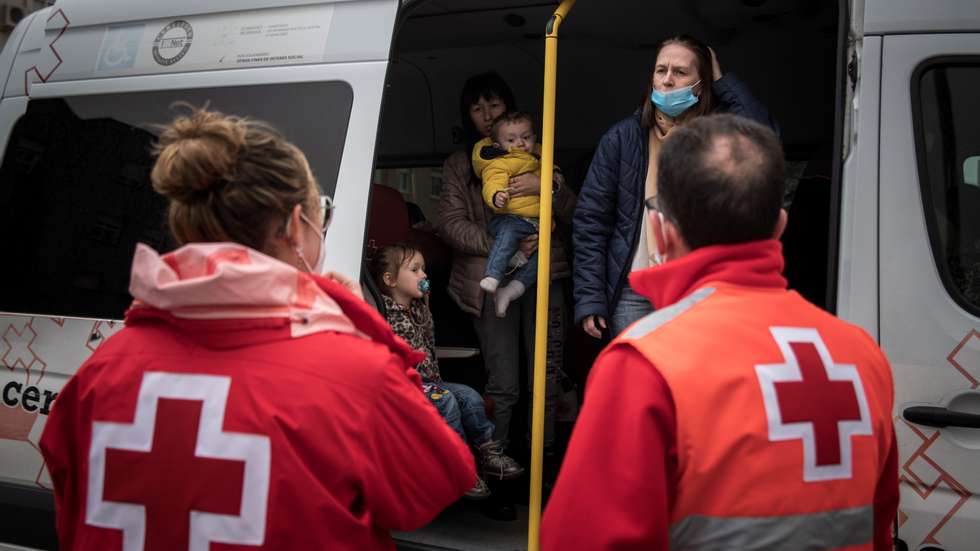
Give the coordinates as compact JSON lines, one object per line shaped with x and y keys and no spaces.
{"x":424,"y":286}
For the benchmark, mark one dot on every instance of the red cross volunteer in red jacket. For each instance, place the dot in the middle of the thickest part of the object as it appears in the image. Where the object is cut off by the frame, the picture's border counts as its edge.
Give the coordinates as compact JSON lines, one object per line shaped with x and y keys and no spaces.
{"x":247,"y":404}
{"x":737,"y":415}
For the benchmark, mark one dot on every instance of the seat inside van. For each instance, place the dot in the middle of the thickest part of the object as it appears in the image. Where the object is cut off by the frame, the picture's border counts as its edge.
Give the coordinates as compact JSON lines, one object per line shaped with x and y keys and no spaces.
{"x":786,"y":51}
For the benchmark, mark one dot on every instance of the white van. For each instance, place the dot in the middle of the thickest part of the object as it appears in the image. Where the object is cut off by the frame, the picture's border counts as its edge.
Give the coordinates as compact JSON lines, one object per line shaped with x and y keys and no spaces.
{"x":877,"y":101}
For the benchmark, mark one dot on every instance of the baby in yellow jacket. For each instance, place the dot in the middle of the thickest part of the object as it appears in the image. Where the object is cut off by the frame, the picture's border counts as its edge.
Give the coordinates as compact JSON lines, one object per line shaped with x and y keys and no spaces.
{"x":509,"y":151}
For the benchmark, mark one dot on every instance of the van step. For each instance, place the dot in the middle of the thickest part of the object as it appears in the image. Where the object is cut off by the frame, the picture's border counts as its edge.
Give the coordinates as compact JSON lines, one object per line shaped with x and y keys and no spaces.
{"x":463,"y":526}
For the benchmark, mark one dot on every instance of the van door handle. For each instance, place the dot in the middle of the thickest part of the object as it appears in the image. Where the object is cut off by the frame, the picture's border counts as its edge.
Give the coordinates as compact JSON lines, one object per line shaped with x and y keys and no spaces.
{"x":938,"y":417}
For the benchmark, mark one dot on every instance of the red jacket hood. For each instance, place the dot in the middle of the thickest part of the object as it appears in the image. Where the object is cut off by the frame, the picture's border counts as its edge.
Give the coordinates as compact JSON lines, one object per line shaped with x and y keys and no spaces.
{"x":226,"y":295}
{"x":753,"y":264}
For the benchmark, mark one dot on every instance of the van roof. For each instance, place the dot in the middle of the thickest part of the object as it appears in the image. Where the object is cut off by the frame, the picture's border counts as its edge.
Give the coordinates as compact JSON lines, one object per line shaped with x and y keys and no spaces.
{"x":107,"y":12}
{"x":916,"y":16}
{"x":80,"y":39}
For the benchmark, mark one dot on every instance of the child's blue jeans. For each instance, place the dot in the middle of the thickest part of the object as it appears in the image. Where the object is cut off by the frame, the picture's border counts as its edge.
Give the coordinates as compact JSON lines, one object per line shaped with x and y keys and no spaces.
{"x":508,"y":230}
{"x":462,"y":408}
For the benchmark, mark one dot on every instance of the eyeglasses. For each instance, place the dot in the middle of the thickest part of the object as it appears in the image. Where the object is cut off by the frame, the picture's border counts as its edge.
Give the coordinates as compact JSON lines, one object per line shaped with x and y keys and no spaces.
{"x":326,"y":210}
{"x":651,"y":203}
{"x":326,"y":207}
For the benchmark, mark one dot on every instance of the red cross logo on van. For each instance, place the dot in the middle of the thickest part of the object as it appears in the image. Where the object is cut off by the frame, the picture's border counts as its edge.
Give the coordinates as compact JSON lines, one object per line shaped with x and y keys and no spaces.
{"x":811,"y":398}
{"x":139,"y":473}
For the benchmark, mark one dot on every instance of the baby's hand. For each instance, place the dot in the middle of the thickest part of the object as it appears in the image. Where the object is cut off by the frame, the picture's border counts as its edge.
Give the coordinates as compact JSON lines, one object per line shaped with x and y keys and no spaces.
{"x":500,"y":199}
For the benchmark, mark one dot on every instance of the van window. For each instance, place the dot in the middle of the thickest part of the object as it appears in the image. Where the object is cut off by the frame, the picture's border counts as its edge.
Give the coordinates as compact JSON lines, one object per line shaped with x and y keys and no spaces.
{"x":419,"y":185}
{"x":948,"y":143}
{"x":75,"y":193}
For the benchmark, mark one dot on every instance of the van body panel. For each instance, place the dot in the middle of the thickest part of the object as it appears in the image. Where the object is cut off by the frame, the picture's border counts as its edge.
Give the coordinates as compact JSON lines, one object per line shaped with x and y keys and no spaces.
{"x":856,"y":25}
{"x":931,"y":341}
{"x":27,"y":54}
{"x":296,"y":35}
{"x":916,"y":16}
{"x":85,"y":13}
{"x":858,"y":268}
{"x":11,"y":109}
{"x":41,"y":354}
{"x":10,"y":49}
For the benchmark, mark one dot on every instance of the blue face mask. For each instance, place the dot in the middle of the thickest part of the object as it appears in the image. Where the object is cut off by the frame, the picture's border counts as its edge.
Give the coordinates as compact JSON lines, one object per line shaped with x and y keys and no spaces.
{"x":675,"y":102}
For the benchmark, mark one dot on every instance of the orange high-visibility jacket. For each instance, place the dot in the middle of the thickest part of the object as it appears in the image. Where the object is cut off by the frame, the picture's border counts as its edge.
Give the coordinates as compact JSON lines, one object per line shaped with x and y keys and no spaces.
{"x":782,"y":416}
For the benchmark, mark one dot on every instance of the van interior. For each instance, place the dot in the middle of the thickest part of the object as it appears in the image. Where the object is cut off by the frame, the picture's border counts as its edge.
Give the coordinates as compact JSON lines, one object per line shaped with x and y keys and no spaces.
{"x":789,"y":53}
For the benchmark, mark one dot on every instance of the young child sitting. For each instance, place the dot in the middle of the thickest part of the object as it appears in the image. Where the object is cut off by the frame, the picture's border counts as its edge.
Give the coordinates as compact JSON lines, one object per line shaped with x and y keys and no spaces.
{"x":399,"y":271}
{"x":510,"y":150}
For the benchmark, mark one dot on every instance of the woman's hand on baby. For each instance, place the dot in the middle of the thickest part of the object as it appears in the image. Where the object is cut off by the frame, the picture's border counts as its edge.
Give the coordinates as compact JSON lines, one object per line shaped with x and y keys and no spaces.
{"x":528,"y":245}
{"x":524,"y":184}
{"x":347,"y":282}
{"x":500,"y":199}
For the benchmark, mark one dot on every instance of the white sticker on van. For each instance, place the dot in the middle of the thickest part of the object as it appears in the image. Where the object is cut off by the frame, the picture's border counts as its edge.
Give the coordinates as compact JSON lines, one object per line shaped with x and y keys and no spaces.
{"x":173,"y":42}
{"x":219,"y":41}
{"x":119,"y":47}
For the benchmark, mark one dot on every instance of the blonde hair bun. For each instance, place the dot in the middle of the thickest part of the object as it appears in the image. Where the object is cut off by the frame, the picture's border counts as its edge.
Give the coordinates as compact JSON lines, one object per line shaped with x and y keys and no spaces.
{"x":229,"y":178}
{"x":197,"y":153}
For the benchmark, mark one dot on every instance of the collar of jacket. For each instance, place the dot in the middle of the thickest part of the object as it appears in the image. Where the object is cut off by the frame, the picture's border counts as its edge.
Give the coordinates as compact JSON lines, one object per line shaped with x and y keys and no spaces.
{"x":484,"y":152}
{"x":754,"y":264}
{"x":227,"y":295}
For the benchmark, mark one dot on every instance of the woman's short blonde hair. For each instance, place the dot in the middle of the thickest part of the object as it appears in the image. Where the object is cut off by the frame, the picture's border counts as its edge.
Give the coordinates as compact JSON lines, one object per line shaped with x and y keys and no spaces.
{"x":229,"y":178}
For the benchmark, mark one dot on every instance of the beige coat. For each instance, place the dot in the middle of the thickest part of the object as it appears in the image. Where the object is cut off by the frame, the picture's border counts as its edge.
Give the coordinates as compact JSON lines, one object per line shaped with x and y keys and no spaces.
{"x":463,"y":218}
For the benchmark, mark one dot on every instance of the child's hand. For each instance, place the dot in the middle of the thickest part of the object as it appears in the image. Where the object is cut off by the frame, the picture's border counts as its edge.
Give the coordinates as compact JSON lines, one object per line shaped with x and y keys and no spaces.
{"x":528,"y":245}
{"x":500,"y":199}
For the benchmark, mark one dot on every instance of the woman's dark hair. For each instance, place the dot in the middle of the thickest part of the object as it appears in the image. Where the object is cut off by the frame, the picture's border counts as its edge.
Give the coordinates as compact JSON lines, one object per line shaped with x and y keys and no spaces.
{"x":487,"y":86}
{"x":702,"y":57}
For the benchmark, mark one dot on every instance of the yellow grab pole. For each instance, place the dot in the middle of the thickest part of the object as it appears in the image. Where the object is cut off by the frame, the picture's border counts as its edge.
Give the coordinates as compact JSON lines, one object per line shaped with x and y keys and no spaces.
{"x":544,"y":270}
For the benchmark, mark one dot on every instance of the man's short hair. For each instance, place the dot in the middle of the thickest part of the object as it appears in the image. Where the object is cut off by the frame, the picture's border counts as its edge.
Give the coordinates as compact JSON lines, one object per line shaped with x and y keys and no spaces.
{"x":720,"y":180}
{"x":509,"y":117}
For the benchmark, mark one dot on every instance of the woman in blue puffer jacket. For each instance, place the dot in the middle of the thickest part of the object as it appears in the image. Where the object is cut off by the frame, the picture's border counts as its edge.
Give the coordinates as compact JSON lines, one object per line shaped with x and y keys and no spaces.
{"x":609,"y":229}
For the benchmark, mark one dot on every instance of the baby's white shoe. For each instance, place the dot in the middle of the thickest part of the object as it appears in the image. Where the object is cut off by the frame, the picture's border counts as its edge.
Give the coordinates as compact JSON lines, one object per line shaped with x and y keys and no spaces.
{"x":489,"y":284}
{"x":510,"y":292}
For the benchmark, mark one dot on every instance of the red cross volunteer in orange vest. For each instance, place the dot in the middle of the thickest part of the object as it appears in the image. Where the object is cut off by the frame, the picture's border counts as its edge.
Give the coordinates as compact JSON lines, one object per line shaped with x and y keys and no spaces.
{"x":737,"y":415}
{"x":248,"y":403}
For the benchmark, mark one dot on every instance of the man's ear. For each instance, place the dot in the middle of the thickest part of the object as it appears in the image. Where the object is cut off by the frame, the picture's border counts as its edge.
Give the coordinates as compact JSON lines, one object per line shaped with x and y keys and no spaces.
{"x":674,"y":236}
{"x":658,"y":224}
{"x":670,"y":242}
{"x":781,"y":224}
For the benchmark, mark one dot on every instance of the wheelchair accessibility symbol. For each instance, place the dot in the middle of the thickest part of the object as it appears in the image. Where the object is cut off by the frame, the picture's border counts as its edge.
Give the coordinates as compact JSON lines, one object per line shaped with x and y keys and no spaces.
{"x":119,"y":47}
{"x":116,"y":54}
